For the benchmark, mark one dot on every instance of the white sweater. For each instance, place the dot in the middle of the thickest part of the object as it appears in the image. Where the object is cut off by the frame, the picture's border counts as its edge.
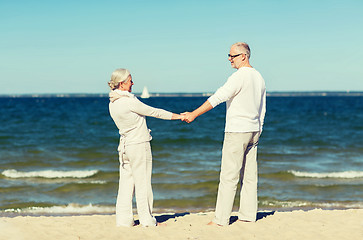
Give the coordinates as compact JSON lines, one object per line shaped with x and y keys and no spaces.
{"x":129,"y":113}
{"x":245,"y":93}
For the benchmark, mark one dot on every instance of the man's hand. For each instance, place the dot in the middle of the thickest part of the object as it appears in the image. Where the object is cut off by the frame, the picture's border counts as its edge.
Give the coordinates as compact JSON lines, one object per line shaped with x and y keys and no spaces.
{"x":188,"y":117}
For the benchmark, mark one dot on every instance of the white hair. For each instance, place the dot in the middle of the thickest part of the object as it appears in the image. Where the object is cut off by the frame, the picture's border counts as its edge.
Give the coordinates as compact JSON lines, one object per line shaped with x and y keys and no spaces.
{"x":118,"y":76}
{"x":243,"y":47}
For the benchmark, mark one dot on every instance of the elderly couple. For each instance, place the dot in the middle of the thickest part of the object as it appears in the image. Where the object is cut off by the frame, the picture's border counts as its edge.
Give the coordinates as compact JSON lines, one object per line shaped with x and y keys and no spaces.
{"x":245,"y":95}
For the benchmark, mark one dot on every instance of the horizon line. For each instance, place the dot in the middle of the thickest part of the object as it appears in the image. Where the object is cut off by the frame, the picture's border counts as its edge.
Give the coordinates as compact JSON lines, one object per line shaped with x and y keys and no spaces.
{"x":191,"y":94}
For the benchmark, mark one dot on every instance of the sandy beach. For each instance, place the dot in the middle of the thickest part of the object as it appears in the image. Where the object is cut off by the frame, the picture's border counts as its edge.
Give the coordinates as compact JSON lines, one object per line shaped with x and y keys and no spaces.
{"x":298,"y":224}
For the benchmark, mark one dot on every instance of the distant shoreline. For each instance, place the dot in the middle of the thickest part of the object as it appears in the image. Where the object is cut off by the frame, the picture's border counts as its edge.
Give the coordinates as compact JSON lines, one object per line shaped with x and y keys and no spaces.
{"x":207,"y":94}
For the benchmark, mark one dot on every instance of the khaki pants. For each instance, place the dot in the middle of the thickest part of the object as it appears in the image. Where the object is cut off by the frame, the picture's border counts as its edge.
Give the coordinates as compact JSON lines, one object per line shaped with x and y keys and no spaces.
{"x":239,"y":163}
{"x":135,"y":175}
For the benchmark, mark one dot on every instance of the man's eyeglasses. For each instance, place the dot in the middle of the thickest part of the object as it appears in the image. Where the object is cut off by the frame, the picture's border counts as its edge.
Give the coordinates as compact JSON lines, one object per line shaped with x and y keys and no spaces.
{"x":233,"y":56}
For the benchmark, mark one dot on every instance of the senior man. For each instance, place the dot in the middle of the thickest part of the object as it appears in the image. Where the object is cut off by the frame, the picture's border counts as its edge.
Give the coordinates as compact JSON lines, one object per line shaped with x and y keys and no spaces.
{"x":245,"y":94}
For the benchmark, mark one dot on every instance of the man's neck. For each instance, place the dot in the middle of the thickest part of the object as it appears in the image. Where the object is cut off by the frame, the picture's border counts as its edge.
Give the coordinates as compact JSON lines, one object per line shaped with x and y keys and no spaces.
{"x":247,"y":64}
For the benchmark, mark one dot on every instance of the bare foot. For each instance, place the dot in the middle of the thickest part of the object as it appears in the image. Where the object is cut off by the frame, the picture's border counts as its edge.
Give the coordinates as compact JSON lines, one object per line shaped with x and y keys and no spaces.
{"x":214,"y":224}
{"x":161,"y":224}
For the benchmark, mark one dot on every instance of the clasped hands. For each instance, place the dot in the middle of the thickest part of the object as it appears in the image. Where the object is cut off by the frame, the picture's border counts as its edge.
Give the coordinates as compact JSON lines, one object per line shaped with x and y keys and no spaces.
{"x":187,"y":117}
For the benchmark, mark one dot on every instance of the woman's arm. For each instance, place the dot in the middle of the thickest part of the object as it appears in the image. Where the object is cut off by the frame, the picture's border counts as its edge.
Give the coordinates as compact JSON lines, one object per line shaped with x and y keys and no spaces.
{"x":142,"y":109}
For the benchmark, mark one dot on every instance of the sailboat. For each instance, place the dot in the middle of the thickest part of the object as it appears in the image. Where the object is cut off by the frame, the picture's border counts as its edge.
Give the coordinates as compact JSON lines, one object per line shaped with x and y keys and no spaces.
{"x":145,"y":93}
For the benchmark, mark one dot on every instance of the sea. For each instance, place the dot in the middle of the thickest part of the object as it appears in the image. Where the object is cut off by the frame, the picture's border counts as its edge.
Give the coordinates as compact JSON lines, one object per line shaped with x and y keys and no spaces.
{"x":58,"y":154}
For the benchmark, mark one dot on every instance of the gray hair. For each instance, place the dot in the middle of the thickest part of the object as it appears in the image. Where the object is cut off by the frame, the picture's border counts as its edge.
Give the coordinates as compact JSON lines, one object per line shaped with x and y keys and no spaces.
{"x":118,"y":76}
{"x":243,"y":47}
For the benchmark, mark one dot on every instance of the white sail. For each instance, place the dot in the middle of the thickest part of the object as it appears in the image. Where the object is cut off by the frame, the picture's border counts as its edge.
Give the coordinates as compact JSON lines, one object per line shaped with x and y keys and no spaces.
{"x":145,"y":93}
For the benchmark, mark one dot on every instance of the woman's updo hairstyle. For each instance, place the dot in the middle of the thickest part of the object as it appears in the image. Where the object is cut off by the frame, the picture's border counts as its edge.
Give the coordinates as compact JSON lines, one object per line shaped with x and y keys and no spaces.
{"x":118,"y":76}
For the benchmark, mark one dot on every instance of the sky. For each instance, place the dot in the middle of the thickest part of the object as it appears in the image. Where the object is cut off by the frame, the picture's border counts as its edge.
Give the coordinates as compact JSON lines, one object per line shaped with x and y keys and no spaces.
{"x":67,"y":46}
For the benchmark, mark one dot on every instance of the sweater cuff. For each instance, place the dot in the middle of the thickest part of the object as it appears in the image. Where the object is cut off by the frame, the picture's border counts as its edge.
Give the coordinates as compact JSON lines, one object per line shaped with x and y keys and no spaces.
{"x":213,"y":101}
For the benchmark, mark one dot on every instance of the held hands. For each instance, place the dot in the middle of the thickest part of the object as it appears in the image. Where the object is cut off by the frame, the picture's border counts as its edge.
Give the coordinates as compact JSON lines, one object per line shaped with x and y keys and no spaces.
{"x":188,"y":117}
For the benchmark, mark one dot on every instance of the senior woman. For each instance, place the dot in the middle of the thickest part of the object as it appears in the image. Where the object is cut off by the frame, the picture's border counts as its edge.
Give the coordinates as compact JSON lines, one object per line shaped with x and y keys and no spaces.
{"x":135,"y":157}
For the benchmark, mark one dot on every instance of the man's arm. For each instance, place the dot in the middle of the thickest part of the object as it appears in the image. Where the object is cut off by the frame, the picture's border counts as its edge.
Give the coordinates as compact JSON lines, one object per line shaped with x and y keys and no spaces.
{"x":228,"y":90}
{"x":262,"y":111}
{"x":190,"y":116}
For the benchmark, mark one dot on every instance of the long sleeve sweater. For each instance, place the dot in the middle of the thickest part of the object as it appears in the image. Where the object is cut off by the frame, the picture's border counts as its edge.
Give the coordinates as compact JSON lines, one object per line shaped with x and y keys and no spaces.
{"x":129,"y":113}
{"x":245,"y":95}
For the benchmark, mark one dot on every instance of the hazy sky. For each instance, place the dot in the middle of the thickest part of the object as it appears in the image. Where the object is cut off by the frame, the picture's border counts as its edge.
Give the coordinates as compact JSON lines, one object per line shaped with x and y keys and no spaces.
{"x":178,"y":46}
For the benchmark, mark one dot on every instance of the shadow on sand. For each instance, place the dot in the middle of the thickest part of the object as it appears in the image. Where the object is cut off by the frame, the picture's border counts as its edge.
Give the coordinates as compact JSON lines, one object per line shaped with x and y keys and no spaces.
{"x":260,"y":215}
{"x":166,"y":217}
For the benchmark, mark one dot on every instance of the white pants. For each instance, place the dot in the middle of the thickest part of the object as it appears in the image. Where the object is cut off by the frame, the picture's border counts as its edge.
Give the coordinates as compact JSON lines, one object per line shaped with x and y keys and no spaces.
{"x":135,"y":176}
{"x":239,"y":163}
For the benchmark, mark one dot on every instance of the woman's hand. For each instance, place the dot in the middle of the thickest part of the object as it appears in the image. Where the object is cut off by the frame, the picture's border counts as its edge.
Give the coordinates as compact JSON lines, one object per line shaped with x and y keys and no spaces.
{"x":177,"y":116}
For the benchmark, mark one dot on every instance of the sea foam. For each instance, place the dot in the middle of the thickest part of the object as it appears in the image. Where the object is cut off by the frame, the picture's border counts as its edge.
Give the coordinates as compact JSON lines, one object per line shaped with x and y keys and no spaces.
{"x":310,"y":204}
{"x":346,"y":174}
{"x":12,"y":173}
{"x":71,"y":208}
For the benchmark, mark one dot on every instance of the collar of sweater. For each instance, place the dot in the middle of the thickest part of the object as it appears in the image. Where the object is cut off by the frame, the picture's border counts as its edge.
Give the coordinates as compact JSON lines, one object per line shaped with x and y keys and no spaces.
{"x":116,"y":94}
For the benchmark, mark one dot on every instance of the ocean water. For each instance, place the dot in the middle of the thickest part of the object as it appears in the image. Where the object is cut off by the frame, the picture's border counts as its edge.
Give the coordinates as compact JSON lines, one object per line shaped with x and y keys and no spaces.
{"x":58,"y":155}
